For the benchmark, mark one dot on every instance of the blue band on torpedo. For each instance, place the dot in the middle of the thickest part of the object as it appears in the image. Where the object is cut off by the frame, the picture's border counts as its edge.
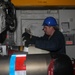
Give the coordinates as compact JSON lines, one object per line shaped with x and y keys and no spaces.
{"x":12,"y":65}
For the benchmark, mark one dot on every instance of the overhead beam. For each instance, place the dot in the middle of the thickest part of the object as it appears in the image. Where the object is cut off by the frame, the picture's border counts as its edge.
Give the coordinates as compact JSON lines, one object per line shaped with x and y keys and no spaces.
{"x":38,"y":3}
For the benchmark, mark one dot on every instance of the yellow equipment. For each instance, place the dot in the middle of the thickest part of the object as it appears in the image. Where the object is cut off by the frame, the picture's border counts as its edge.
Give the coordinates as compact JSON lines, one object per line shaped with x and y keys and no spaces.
{"x":59,"y":3}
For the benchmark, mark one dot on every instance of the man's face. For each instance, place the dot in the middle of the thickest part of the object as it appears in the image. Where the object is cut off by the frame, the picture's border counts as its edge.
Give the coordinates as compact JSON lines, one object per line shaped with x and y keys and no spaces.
{"x":48,"y":29}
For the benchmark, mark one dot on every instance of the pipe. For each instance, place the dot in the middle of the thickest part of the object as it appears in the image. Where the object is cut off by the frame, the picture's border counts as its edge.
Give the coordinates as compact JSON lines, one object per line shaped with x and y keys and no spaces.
{"x":40,"y":64}
{"x":35,"y":64}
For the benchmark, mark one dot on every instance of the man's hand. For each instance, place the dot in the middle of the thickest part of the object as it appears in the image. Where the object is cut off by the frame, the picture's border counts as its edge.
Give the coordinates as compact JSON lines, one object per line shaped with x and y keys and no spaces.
{"x":26,"y":36}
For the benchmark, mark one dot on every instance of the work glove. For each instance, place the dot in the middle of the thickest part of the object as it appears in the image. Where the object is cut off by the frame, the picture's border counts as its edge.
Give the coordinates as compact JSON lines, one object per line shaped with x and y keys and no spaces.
{"x":26,"y":35}
{"x":29,"y":41}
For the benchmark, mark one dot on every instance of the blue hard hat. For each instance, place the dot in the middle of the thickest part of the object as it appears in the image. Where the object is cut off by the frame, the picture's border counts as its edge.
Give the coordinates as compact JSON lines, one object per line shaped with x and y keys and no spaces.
{"x":50,"y":21}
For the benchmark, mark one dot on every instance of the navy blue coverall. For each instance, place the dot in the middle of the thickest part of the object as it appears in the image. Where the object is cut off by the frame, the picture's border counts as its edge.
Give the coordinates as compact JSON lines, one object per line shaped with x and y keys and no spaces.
{"x":54,"y":44}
